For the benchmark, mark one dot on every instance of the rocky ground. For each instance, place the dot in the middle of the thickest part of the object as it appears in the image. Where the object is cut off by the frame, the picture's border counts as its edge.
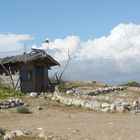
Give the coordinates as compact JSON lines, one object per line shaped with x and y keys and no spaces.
{"x":52,"y":120}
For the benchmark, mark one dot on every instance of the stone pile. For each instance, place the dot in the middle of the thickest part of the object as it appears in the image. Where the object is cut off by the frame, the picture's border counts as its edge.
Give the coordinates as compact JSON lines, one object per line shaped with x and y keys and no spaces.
{"x":96,"y":92}
{"x":119,"y":105}
{"x":10,"y":103}
{"x":106,"y":90}
{"x":8,"y":135}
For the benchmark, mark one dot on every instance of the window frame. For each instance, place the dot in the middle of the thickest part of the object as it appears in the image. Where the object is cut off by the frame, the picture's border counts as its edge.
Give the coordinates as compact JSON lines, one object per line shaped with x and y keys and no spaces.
{"x":26,"y":75}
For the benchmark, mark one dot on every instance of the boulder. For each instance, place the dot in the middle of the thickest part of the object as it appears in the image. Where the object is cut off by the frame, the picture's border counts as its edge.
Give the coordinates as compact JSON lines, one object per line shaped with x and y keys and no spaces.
{"x":88,"y":104}
{"x":112,"y":108}
{"x":105,"y":105}
{"x":78,"y":102}
{"x":119,"y":101}
{"x":69,"y":91}
{"x":66,"y":101}
{"x":19,"y":133}
{"x":105,"y":109}
{"x":107,"y":98}
{"x":95,"y":105}
{"x":135,"y":105}
{"x":125,"y":104}
{"x":33,"y":94}
{"x":56,"y":90}
{"x":54,"y":98}
{"x":9,"y":135}
{"x":39,"y":108}
{"x":120,"y":109}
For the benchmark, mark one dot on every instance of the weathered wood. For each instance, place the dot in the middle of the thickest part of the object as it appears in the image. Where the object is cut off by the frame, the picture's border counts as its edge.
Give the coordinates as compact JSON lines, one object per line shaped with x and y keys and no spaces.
{"x":33,"y":71}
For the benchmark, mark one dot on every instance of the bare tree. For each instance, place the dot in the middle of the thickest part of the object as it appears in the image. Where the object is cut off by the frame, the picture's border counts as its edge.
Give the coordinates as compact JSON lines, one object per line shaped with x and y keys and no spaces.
{"x":9,"y":73}
{"x":59,"y":76}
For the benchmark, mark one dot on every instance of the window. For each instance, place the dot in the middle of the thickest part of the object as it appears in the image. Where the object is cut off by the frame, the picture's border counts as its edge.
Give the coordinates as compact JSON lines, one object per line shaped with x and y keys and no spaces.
{"x":26,"y":75}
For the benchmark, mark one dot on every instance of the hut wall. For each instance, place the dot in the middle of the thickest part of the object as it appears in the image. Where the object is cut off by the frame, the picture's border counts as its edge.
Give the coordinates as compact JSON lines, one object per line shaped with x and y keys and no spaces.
{"x":46,"y":78}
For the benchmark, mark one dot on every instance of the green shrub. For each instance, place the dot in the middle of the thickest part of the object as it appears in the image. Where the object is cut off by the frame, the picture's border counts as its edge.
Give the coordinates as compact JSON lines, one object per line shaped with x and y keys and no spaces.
{"x":62,"y":87}
{"x":133,"y":84}
{"x":23,"y":110}
{"x":6,"y":92}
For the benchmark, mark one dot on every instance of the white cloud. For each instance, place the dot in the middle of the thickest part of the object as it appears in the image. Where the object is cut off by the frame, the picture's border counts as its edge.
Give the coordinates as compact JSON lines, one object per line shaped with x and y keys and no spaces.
{"x":123,"y":42}
{"x":119,"y":52}
{"x":113,"y":58}
{"x":12,"y":42}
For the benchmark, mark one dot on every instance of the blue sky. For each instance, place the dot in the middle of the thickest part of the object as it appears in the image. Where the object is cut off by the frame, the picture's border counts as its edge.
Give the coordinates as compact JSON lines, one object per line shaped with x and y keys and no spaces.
{"x":103,"y":35}
{"x":59,"y":18}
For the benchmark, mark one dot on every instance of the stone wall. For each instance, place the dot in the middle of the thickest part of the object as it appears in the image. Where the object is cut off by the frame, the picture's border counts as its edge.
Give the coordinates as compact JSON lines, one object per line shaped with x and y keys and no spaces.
{"x":6,"y":81}
{"x":110,"y":99}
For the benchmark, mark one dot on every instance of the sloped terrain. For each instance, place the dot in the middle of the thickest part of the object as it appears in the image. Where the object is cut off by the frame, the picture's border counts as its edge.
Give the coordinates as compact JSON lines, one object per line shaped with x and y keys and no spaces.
{"x":57,"y":121}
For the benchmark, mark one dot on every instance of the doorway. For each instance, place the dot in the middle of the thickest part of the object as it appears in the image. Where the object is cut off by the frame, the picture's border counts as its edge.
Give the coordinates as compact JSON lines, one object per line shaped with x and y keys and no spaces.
{"x":39,"y":78}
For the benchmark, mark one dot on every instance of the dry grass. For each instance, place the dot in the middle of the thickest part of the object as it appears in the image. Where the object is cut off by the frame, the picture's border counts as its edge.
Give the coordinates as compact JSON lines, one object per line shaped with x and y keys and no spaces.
{"x":28,"y":138}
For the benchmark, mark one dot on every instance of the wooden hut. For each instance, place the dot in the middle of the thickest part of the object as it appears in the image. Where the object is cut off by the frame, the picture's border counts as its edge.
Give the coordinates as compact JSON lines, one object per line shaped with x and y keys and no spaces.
{"x":30,"y":70}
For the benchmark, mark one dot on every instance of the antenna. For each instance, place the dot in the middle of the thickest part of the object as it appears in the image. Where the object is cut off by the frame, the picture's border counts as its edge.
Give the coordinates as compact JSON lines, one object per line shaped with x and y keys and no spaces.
{"x":46,"y":43}
{"x":25,"y":53}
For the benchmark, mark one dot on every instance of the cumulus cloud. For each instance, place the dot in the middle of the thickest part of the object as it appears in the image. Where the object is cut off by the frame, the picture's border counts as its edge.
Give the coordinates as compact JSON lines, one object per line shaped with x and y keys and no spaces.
{"x":113,"y":58}
{"x":110,"y":57}
{"x":12,"y":42}
{"x":123,"y":42}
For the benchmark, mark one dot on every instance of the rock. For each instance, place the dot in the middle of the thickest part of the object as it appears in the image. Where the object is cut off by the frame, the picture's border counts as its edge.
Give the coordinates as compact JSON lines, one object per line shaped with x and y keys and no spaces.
{"x":39,"y":128}
{"x":112,"y":108}
{"x":83,"y":103}
{"x":68,"y":116}
{"x":2,"y":133}
{"x":18,"y":101}
{"x":9,"y":135}
{"x":50,"y":137}
{"x":1,"y":136}
{"x":42,"y":135}
{"x":88,"y":104}
{"x":95,"y":105}
{"x":75,"y":131}
{"x":33,"y":94}
{"x":39,"y":108}
{"x":58,"y":98}
{"x":69,"y":91}
{"x":77,"y":102}
{"x":135,"y":111}
{"x":135,"y":105}
{"x":124,"y":104}
{"x":53,"y":98}
{"x":62,"y":100}
{"x":20,"y":133}
{"x":66,"y":101}
{"x":56,"y":90}
{"x":120,"y":109}
{"x":70,"y":101}
{"x":12,"y":102}
{"x":119,"y":101}
{"x":105,"y":105}
{"x":105,"y":90}
{"x":105,"y":109}
{"x":107,"y":98}
{"x":26,"y":105}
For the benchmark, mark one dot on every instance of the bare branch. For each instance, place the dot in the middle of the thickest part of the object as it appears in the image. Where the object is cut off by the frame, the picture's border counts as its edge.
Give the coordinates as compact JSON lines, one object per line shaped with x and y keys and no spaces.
{"x":58,"y":78}
{"x":9,"y":74}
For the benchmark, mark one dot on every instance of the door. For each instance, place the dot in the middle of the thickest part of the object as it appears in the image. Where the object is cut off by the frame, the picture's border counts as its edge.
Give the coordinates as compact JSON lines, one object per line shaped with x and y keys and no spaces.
{"x":39,"y":74}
